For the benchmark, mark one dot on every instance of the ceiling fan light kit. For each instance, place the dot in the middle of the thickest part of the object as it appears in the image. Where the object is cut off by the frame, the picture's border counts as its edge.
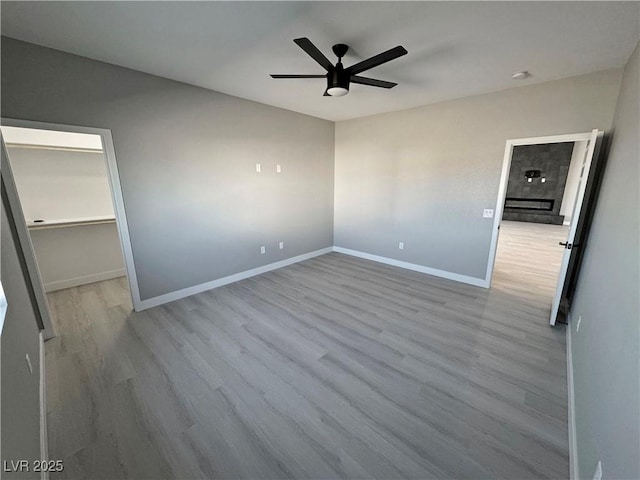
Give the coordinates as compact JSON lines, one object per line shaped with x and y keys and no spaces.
{"x":338,"y":77}
{"x":337,"y":91}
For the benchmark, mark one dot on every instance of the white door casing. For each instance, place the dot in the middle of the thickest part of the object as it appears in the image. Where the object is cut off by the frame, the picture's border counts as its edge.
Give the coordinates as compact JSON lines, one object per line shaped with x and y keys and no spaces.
{"x":116,"y":192}
{"x":14,"y":209}
{"x":3,"y":298}
{"x":593,"y":149}
{"x":593,"y":139}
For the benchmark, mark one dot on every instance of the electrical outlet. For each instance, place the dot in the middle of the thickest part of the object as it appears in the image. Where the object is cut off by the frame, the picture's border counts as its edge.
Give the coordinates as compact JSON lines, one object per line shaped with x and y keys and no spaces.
{"x":29,"y":366}
{"x":281,"y":245}
{"x":401,"y":245}
{"x":278,"y":168}
{"x":578,"y":323}
{"x":487,"y":213}
{"x":597,"y":475}
{"x":258,"y":168}
{"x":263,"y":249}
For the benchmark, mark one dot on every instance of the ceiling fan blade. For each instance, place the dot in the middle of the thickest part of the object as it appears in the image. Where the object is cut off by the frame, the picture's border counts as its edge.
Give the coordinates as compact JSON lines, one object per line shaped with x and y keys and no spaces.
{"x":305,"y":44}
{"x":372,"y":81}
{"x":376,"y":60}
{"x":297,"y":76}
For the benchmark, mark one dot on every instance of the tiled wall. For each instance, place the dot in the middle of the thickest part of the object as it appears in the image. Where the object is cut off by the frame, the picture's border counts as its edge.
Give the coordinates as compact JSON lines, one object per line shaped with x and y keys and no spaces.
{"x":553,"y":160}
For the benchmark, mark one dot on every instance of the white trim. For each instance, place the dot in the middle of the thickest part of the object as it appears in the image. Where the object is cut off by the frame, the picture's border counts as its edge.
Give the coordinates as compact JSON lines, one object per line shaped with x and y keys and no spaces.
{"x":592,"y":152}
{"x":574,"y":473}
{"x":504,"y":177}
{"x":3,"y":307}
{"x":14,"y":208}
{"x":116,"y":191}
{"x":3,"y":298}
{"x":497,"y":217}
{"x":569,"y":137}
{"x":83,"y":280}
{"x":44,"y":445}
{"x":478,"y":282}
{"x":121,"y":218}
{"x":203,"y":287}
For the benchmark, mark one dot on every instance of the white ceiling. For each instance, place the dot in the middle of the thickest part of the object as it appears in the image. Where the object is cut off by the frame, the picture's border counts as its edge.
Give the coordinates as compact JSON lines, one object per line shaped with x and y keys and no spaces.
{"x":456,"y":49}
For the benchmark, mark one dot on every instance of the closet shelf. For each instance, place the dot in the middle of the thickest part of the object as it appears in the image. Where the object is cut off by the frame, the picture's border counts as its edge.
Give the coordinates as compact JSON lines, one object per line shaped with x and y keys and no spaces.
{"x":70,"y":222}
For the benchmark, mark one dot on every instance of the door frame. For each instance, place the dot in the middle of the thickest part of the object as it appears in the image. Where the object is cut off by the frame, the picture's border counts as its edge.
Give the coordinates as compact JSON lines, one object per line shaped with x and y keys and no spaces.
{"x":504,"y":178}
{"x":3,"y":297}
{"x":25,"y":249}
{"x":113,"y":176}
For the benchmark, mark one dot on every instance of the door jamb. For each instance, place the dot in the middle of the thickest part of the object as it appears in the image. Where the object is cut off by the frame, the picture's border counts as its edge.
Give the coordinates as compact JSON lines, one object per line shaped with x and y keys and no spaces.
{"x":504,"y":178}
{"x":116,"y":192}
{"x":28,"y":262}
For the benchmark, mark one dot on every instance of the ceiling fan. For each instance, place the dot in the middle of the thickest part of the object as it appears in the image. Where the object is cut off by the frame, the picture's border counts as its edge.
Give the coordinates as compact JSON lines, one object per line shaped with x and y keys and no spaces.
{"x":338,"y":77}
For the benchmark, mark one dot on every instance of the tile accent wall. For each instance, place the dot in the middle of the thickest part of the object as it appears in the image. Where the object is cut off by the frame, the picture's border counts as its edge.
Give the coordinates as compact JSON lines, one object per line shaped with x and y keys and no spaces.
{"x":552,"y":161}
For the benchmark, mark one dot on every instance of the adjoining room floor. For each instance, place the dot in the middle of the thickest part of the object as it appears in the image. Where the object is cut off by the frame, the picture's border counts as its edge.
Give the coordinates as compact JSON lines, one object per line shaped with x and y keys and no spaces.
{"x":336,"y":367}
{"x":528,"y":260}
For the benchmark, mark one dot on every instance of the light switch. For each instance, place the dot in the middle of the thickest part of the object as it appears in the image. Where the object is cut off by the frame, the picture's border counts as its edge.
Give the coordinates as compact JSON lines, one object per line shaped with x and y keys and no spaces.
{"x":543,"y":179}
{"x":401,"y":245}
{"x":278,"y":168}
{"x":487,"y":213}
{"x":258,"y":168}
{"x":281,"y":245}
{"x":263,"y":250}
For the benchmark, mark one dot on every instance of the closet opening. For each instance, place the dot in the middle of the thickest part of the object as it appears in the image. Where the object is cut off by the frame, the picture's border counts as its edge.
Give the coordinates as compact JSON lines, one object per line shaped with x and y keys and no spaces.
{"x":67,"y":205}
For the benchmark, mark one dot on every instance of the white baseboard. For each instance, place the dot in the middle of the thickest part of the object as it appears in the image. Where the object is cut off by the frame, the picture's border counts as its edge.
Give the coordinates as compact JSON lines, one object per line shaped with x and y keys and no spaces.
{"x":44,"y":445}
{"x":203,"y":287}
{"x":574,"y":473}
{"x":85,"y":279}
{"x":478,"y":282}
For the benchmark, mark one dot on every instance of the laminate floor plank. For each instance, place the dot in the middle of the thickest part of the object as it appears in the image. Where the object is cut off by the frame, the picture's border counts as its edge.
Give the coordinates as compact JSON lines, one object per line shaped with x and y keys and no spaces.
{"x":327,"y":402}
{"x":335,"y":367}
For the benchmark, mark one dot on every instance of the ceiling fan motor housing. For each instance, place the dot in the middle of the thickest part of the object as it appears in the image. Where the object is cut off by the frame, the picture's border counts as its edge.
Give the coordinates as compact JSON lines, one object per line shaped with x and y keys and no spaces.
{"x":338,"y":77}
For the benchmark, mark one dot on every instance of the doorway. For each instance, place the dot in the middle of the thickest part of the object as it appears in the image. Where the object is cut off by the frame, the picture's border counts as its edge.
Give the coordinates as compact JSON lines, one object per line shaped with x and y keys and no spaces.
{"x":541,"y":194}
{"x":65,"y":194}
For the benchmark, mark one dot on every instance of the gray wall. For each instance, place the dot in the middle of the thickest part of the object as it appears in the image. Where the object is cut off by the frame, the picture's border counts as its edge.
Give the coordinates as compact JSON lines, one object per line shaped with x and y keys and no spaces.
{"x":606,"y":361}
{"x":196,"y":207}
{"x":20,"y":390}
{"x":424,"y":176}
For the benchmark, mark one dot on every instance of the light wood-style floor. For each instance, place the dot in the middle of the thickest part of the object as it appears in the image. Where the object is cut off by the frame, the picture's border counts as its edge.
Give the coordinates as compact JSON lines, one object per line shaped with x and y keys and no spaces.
{"x":528,"y":259}
{"x":336,"y":367}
